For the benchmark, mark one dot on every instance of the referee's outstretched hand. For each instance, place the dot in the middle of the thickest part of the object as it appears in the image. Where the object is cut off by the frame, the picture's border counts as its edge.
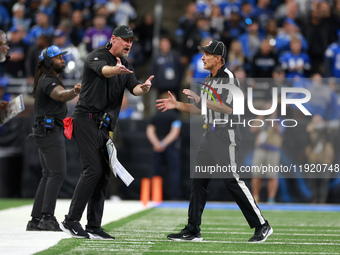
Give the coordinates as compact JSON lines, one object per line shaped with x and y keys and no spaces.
{"x":121,"y":69}
{"x":167,"y":103}
{"x":191,"y":95}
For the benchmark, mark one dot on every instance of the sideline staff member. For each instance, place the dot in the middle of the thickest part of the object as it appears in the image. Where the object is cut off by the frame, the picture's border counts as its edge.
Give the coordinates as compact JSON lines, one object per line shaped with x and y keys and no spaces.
{"x":219,"y":145}
{"x":50,"y":109}
{"x":106,"y":74}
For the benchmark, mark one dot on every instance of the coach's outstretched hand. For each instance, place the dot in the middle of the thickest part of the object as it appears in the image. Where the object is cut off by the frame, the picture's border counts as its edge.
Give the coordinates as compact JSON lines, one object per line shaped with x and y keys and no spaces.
{"x":167,"y":103}
{"x":120,"y":68}
{"x":147,"y":84}
{"x":142,"y":89}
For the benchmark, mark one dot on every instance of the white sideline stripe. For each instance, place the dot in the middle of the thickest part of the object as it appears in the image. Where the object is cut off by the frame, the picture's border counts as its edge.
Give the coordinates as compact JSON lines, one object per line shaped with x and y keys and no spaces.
{"x":15,"y":240}
{"x":275,"y":222}
{"x":237,"y":233}
{"x":272,"y":223}
{"x":243,"y":252}
{"x":242,"y":240}
{"x":267,"y":242}
{"x":135,"y":241}
{"x":280,"y":234}
{"x":276,"y":229}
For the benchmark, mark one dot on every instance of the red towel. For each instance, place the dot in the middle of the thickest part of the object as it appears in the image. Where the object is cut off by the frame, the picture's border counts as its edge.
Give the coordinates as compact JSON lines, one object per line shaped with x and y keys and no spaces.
{"x":68,"y":127}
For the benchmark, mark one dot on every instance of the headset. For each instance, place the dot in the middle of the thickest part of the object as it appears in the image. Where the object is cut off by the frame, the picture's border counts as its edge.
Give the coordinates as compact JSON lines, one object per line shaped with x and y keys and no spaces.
{"x":47,"y":60}
{"x":108,"y":45}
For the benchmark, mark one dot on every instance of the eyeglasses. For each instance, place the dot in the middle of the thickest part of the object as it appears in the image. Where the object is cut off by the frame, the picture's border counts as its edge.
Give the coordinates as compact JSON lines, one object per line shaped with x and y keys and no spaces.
{"x":4,"y":43}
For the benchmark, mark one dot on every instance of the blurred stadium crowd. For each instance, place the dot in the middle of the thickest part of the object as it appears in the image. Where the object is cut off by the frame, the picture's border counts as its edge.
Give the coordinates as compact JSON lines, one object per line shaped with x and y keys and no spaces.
{"x":301,"y":36}
{"x":294,"y":39}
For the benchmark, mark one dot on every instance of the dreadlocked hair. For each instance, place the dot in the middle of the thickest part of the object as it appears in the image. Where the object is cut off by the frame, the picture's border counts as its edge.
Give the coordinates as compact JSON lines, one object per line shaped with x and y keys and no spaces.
{"x":39,"y":71}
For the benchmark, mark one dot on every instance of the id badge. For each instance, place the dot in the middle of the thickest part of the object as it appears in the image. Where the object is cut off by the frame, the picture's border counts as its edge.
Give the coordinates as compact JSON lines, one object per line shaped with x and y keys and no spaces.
{"x":169,"y":73}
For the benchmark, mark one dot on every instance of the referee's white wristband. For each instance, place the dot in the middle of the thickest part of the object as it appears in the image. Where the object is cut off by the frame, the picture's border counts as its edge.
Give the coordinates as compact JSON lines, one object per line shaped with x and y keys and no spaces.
{"x":74,"y":90}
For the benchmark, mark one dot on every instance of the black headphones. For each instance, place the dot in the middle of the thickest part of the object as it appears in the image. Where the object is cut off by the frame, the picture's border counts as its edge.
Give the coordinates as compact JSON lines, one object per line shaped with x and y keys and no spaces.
{"x":108,"y":46}
{"x":47,"y":60}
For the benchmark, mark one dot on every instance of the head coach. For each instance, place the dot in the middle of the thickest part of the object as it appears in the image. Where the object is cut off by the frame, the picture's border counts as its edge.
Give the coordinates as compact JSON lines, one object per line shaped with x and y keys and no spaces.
{"x":106,"y":74}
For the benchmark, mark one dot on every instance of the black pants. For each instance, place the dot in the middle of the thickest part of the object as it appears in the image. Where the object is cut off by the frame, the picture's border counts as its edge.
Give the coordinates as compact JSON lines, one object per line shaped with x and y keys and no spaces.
{"x":221,"y":147}
{"x":171,"y":156}
{"x":52,"y":156}
{"x":93,"y":182}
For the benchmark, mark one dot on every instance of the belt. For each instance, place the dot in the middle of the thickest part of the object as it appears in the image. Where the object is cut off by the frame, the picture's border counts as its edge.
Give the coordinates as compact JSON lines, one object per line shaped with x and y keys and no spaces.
{"x":212,"y":128}
{"x":39,"y":121}
{"x":102,"y":119}
{"x":92,"y":115}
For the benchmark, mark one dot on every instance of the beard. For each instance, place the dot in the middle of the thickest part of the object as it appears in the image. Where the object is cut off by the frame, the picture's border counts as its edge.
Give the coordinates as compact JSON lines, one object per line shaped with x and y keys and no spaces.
{"x":59,"y":69}
{"x":125,"y":55}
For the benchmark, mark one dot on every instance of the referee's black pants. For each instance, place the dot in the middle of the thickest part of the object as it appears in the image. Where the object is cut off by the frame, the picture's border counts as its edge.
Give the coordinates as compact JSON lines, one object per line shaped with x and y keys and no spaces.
{"x":220,"y":148}
{"x":93,"y":182}
{"x":52,"y":155}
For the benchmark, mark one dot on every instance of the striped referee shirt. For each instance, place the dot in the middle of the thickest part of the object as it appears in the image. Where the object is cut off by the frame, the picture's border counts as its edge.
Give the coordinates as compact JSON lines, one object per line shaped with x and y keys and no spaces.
{"x":220,"y":83}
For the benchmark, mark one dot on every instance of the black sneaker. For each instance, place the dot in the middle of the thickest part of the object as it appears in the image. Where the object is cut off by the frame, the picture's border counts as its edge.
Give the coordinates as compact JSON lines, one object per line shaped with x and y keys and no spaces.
{"x":261,"y":233}
{"x":185,"y":235}
{"x":98,"y":233}
{"x":49,"y":224}
{"x":73,"y":228}
{"x":33,"y":226}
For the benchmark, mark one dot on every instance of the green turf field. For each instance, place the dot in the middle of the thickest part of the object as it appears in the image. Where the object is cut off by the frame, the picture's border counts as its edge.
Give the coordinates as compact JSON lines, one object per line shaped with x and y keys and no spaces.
{"x":224,"y":232}
{"x":9,"y":203}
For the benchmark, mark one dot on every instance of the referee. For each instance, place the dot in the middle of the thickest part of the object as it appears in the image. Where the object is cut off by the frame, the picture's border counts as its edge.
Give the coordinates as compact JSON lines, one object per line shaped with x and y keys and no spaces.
{"x":219,"y":146}
{"x":49,"y":109}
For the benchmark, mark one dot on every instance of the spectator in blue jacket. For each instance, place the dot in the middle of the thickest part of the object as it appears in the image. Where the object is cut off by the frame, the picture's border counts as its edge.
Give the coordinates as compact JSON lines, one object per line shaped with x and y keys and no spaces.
{"x":42,"y":27}
{"x":18,"y":18}
{"x":193,"y":38}
{"x":290,"y":30}
{"x":247,"y":9}
{"x":251,"y":39}
{"x":295,"y":62}
{"x":332,"y":59}
{"x":48,"y":7}
{"x":227,"y":7}
{"x":263,"y":12}
{"x":196,"y":69}
{"x":234,"y":26}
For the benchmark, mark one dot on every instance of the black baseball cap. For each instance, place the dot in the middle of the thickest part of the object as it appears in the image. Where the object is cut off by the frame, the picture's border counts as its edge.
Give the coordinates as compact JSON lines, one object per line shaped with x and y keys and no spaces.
{"x":124,"y":32}
{"x":215,"y":47}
